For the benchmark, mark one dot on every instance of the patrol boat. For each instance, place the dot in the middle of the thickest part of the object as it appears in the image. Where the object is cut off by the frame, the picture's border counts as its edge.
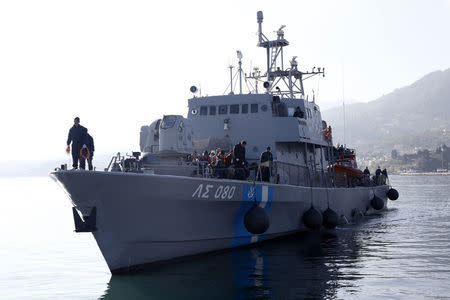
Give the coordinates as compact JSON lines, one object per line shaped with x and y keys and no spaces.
{"x":160,"y":204}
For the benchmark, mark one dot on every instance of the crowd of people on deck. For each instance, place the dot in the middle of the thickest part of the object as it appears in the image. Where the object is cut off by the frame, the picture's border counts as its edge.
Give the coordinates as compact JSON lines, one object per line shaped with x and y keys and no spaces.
{"x":232,"y":164}
{"x":380,"y":177}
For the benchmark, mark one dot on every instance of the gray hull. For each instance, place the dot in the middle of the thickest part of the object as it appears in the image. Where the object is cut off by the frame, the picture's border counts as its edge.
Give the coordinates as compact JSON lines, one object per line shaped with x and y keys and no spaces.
{"x":143,"y":219}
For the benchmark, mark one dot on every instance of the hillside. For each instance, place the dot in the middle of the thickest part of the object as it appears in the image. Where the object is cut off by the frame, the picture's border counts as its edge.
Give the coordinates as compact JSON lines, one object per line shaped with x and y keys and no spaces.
{"x":413,"y":116}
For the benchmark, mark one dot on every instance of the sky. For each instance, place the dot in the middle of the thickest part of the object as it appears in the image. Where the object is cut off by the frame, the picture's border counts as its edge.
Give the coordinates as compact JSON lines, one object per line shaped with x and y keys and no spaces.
{"x":122,"y":64}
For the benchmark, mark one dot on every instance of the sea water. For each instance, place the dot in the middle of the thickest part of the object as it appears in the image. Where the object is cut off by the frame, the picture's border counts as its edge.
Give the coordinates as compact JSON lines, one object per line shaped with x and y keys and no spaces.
{"x":403,"y":253}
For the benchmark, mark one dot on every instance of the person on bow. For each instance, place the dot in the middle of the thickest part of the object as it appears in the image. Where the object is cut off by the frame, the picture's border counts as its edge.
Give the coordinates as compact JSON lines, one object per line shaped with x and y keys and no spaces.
{"x":384,"y":176}
{"x":378,"y":175}
{"x":90,"y":146}
{"x":77,"y":137}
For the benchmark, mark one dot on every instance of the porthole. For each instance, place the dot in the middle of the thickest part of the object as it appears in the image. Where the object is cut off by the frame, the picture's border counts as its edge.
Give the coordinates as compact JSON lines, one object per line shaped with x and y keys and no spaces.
{"x":194,"y":111}
{"x":264,"y":107}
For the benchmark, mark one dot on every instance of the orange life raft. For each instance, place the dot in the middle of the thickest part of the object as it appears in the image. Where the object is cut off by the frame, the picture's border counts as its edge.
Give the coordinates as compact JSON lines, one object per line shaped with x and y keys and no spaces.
{"x":338,"y":168}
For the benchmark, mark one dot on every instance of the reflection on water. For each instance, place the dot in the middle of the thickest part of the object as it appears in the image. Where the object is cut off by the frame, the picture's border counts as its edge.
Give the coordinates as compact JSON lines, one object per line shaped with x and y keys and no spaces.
{"x":399,"y":254}
{"x":310,"y":265}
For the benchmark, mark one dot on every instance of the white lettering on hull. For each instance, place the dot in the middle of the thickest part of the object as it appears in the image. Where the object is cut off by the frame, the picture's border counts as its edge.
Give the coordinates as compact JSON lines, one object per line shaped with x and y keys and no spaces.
{"x":219,"y":192}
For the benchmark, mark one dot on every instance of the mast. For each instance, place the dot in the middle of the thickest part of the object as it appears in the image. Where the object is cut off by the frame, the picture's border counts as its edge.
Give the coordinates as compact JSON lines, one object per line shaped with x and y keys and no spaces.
{"x":290,"y":79}
{"x":239,"y":56}
{"x":231,"y":79}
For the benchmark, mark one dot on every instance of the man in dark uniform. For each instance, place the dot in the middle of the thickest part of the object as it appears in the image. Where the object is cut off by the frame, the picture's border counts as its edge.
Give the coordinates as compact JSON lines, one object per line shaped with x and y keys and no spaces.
{"x":298,"y":113}
{"x":90,"y":146}
{"x":77,"y":136}
{"x":383,"y":176}
{"x":367,"y":172}
{"x":239,"y":160}
{"x":377,"y":175}
{"x":266,"y":164}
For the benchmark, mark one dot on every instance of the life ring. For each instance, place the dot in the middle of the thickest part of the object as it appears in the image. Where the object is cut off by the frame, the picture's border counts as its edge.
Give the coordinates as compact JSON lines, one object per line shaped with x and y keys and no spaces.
{"x":327,"y":133}
{"x":88,"y":153}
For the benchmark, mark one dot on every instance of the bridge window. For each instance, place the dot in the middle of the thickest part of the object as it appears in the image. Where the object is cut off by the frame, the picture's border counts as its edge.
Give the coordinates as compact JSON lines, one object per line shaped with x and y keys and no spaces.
{"x":234,"y":109}
{"x":203,"y":110}
{"x":168,"y":122}
{"x":254,"y":108}
{"x":212,"y":110}
{"x":291,"y":111}
{"x":244,"y":109}
{"x":223,"y":109}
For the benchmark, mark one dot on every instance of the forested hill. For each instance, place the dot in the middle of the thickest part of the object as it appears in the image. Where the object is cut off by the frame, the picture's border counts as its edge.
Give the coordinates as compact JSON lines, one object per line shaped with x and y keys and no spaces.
{"x":417,"y":115}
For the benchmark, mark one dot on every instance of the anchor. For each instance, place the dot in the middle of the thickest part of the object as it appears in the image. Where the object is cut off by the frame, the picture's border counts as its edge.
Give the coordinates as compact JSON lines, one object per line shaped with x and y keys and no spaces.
{"x":88,"y":225}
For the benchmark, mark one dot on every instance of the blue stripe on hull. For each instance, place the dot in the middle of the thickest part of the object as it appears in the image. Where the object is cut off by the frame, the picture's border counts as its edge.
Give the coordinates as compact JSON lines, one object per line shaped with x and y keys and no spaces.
{"x":264,"y":198}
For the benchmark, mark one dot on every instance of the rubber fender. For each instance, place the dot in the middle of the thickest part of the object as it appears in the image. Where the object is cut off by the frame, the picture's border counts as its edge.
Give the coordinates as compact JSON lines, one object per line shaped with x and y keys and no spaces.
{"x":256,"y":220}
{"x":330,"y":218}
{"x":392,"y":194}
{"x":312,"y":218}
{"x":377,"y":203}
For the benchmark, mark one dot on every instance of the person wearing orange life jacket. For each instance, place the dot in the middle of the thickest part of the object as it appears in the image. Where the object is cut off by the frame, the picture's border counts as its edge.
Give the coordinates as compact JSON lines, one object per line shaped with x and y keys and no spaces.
{"x":211,"y":157}
{"x":221,"y":163}
{"x":215,"y":158}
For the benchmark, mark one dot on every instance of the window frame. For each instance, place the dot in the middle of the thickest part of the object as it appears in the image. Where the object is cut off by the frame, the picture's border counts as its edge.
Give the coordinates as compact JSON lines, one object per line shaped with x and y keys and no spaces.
{"x":168,"y":122}
{"x":234,"y":106}
{"x":203,"y":110}
{"x":212,"y":110}
{"x":226,"y":110}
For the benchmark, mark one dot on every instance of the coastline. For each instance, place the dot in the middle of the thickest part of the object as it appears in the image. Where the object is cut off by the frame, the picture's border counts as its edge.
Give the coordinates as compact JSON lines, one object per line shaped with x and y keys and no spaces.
{"x":423,"y":173}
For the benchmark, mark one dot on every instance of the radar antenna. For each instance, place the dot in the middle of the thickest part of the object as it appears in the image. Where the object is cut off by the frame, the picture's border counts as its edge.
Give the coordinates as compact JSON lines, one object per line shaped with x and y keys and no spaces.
{"x":238,"y":73}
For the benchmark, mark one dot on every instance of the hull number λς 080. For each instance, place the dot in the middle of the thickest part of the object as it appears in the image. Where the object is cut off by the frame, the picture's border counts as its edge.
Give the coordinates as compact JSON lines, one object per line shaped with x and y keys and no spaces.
{"x":206,"y":191}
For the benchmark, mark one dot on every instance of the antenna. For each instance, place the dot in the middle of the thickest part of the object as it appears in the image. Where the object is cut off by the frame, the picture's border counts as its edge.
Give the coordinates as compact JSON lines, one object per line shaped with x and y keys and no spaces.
{"x":256,"y":74}
{"x":259,"y":16}
{"x":231,"y":79}
{"x":239,"y":56}
{"x":343,"y":99}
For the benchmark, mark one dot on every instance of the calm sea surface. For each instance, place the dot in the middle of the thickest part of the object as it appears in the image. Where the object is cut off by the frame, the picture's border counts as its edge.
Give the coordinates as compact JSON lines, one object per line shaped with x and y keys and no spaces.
{"x":403,"y":253}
